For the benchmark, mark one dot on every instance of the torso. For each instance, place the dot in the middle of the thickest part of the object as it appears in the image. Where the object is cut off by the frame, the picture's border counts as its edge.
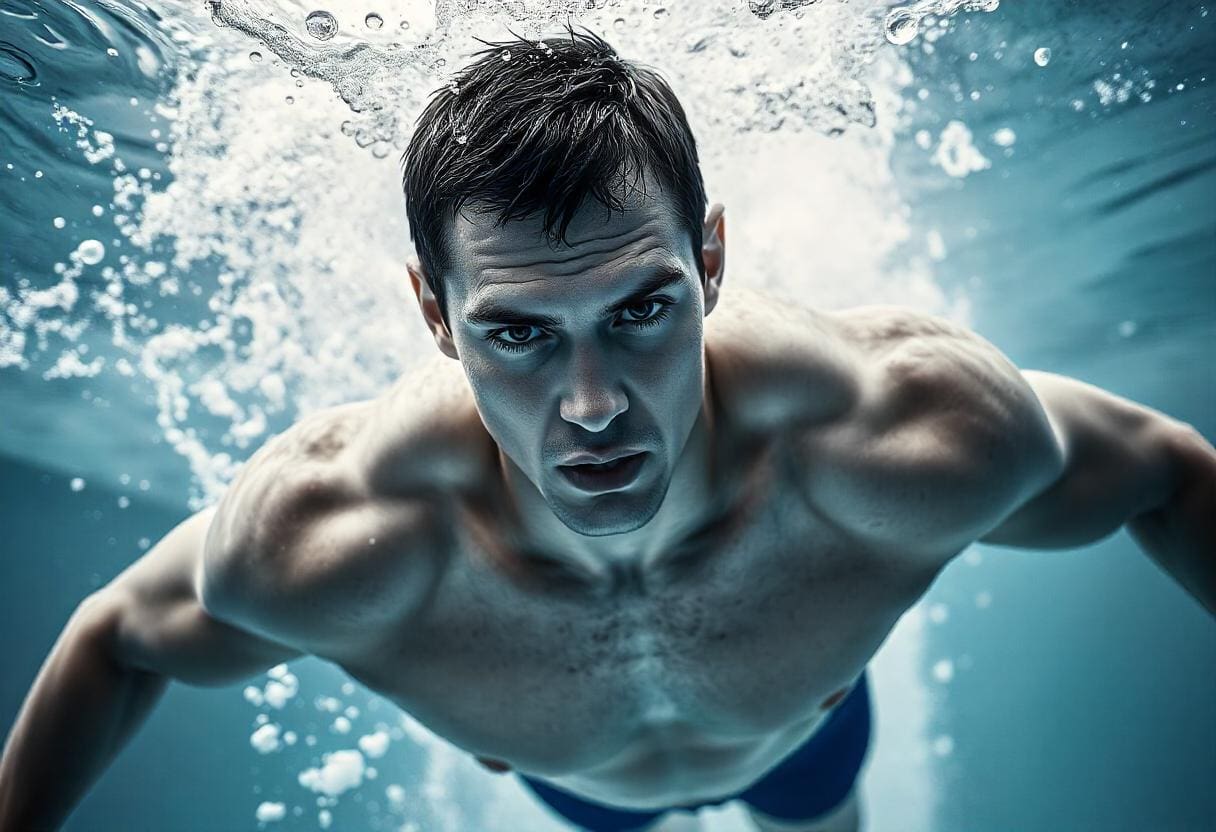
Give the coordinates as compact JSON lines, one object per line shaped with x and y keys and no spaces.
{"x":648,"y":695}
{"x":648,"y":690}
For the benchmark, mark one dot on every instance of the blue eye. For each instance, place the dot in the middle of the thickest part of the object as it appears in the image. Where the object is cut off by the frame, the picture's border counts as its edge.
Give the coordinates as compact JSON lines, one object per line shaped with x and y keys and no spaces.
{"x":647,"y":313}
{"x":503,"y":338}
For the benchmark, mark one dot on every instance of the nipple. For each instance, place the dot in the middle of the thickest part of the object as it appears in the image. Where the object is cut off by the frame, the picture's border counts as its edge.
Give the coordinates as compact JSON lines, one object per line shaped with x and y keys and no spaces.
{"x":496,"y":766}
{"x":832,"y":700}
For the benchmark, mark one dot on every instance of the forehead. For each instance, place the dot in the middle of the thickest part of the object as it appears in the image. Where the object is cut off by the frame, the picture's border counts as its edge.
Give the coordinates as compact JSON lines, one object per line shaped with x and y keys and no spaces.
{"x":599,"y":245}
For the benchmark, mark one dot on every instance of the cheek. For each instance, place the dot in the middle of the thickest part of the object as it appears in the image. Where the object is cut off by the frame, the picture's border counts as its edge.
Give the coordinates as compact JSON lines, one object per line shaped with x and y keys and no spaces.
{"x":668,"y":373}
{"x":510,"y":404}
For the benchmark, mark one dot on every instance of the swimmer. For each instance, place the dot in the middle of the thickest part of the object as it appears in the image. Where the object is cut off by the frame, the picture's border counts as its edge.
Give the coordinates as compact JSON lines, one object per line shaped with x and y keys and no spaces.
{"x":630,"y":535}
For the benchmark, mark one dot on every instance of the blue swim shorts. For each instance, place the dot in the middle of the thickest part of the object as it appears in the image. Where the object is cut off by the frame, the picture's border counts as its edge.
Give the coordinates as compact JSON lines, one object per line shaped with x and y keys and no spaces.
{"x":812,"y":781}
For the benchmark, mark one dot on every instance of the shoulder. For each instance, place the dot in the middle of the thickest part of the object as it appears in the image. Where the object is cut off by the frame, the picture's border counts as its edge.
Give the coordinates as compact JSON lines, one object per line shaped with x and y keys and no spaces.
{"x":427,"y":436}
{"x":775,"y":364}
{"x":944,"y":438}
{"x":335,"y":526}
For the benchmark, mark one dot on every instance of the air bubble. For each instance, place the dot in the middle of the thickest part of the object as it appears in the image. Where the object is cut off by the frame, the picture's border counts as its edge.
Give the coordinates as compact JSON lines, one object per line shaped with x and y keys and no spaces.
{"x":762,"y":8}
{"x":506,"y":55}
{"x":91,"y":252}
{"x":321,"y":25}
{"x":59,"y":222}
{"x":901,"y":26}
{"x":255,"y":57}
{"x":1042,"y":55}
{"x":373,"y":21}
{"x":1005,"y":137}
{"x":112,"y":52}
{"x":77,"y":484}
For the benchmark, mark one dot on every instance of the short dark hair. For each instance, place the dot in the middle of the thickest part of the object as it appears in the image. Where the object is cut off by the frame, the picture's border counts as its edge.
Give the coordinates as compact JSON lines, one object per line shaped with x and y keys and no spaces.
{"x":536,"y":126}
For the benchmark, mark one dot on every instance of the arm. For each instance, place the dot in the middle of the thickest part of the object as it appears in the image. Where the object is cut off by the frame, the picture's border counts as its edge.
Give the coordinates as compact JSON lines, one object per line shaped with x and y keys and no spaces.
{"x":108,"y":669}
{"x":1121,"y":464}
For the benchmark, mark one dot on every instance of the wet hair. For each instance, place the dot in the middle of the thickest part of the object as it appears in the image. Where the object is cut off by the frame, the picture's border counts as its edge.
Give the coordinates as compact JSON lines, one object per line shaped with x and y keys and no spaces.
{"x":534,"y":126}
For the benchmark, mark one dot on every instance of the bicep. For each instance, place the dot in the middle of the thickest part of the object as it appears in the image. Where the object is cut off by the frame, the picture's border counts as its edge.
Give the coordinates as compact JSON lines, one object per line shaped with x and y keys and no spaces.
{"x":1113,"y":466}
{"x":153,"y":614}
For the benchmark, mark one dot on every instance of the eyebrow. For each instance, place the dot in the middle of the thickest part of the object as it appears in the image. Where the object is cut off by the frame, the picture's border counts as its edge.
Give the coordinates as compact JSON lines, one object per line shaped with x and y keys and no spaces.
{"x":496,"y":312}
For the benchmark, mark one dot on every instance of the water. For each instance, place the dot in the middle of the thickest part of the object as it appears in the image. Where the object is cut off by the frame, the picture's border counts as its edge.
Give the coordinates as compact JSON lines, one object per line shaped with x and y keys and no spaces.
{"x":189,"y":260}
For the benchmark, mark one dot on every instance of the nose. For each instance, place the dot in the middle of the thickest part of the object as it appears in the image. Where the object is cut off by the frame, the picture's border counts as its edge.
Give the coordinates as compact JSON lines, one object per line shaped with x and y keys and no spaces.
{"x":593,"y":399}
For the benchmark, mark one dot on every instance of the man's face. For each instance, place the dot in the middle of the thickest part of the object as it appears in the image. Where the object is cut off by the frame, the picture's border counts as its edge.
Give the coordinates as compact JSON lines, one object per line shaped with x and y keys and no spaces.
{"x":591,"y":349}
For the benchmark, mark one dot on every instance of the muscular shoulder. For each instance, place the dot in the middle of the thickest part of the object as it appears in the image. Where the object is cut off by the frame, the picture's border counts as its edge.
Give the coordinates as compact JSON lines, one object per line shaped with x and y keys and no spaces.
{"x":945,"y":436}
{"x":776,"y":365}
{"x":334,"y":527}
{"x":427,"y":435}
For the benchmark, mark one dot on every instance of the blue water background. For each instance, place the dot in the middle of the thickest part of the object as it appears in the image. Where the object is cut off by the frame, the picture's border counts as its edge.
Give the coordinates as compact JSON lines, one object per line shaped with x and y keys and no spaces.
{"x":1088,"y":700}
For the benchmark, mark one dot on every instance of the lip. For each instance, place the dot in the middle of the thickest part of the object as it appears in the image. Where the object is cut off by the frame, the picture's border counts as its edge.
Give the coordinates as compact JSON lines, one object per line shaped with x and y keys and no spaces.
{"x":599,"y":481}
{"x":586,"y":458}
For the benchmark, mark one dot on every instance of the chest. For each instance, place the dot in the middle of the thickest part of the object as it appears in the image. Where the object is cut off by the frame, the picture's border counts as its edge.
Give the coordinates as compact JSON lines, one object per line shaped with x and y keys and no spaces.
{"x":747,"y":633}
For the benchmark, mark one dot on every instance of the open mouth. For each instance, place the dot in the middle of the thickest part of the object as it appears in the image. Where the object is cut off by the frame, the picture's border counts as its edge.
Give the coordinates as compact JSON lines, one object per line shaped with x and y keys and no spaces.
{"x":604,"y":476}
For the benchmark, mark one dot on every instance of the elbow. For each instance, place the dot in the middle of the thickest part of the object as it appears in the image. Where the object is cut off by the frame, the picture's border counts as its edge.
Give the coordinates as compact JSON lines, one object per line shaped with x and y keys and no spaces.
{"x":1194,"y":458}
{"x":1188,"y":465}
{"x":97,"y":619}
{"x":96,"y":616}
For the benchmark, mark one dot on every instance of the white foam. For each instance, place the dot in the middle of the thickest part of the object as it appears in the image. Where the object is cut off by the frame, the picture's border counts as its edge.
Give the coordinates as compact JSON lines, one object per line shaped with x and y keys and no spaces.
{"x":956,"y":154}
{"x":268,"y":812}
{"x":266,"y":739}
{"x":340,"y":772}
{"x":374,"y":745}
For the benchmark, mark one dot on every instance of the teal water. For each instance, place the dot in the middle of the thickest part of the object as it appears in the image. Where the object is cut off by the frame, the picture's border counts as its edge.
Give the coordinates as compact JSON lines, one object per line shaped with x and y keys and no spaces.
{"x":1069,"y":690}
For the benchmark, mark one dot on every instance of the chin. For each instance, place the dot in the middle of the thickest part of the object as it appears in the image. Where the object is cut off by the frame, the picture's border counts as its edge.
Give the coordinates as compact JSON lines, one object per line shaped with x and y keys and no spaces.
{"x":619,"y":512}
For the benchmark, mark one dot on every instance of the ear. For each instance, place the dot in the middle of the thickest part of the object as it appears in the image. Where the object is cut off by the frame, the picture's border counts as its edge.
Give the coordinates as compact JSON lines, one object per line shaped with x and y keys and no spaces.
{"x":713,"y":254}
{"x":430,"y":309}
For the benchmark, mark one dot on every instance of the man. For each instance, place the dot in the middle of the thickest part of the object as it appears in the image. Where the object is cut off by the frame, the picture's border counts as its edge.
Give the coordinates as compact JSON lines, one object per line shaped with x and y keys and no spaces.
{"x":636,"y":553}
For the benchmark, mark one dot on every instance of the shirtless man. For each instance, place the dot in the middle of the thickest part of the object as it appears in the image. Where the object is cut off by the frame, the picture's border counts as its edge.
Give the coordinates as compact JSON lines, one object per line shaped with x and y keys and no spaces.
{"x":637,"y":553}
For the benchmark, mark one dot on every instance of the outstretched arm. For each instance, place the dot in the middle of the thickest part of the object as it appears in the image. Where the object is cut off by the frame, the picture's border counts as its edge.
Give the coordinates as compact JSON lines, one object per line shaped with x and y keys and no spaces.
{"x":107,"y":671}
{"x":1121,"y":463}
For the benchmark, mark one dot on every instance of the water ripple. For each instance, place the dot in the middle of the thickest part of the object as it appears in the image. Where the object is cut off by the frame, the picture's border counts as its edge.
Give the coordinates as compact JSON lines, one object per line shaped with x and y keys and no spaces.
{"x":16,"y":66}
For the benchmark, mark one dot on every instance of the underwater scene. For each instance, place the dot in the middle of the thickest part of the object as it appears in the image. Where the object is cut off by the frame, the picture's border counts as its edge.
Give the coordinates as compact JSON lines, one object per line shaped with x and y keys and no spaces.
{"x":203,"y":239}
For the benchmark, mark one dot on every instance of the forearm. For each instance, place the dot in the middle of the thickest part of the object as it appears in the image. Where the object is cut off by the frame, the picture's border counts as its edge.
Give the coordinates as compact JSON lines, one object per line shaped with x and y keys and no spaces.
{"x":1180,"y":535}
{"x":80,"y":712}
